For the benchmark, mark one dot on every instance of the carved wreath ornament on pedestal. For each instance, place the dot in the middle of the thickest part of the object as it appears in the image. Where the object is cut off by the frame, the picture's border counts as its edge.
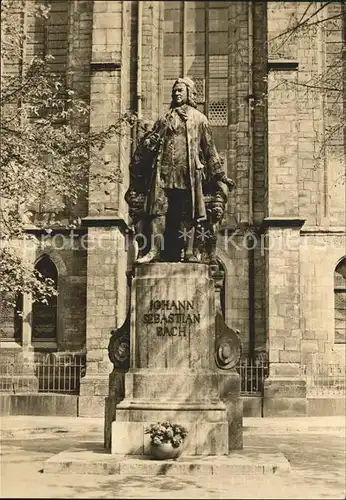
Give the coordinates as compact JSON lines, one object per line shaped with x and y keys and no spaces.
{"x":119,"y":346}
{"x":228,"y":347}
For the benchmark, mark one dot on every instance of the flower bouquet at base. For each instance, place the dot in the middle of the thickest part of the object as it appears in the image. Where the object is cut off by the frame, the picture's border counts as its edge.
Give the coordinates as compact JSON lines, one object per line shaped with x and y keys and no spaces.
{"x":166,"y":440}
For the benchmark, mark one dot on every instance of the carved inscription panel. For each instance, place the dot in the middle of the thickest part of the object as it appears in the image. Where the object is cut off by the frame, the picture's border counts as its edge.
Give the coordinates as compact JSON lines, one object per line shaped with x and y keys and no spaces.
{"x":172,"y":318}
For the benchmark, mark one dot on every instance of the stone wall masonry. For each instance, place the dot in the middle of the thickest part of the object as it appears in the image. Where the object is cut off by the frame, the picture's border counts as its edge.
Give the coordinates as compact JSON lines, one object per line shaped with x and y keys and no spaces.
{"x":299,"y":298}
{"x":283,"y":300}
{"x":317,"y":51}
{"x":259,"y":298}
{"x":280,"y":16}
{"x":282,"y":243}
{"x":106,"y":289}
{"x":152,"y":59}
{"x":80,"y":45}
{"x":335,"y":39}
{"x":238,"y":107}
{"x":103,"y":296}
{"x":247,"y":116}
{"x":311,"y":125}
{"x":319,"y":254}
{"x":111,"y":90}
{"x":282,"y":145}
{"x":39,"y":404}
{"x":238,"y":164}
{"x":126,"y":85}
{"x":78,"y":68}
{"x":107,"y":30}
{"x":48,"y":35}
{"x":106,"y":101}
{"x":259,"y":105}
{"x":234,"y":255}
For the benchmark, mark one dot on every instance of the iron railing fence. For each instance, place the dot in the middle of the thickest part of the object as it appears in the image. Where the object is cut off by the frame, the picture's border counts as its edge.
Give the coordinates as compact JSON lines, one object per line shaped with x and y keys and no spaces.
{"x":62,"y":373}
{"x":321,"y":378}
{"x":252,"y":373}
{"x":324,"y":379}
{"x":49,"y":373}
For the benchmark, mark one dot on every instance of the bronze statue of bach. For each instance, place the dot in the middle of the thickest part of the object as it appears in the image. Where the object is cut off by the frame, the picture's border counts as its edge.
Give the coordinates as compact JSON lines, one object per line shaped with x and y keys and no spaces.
{"x":178,"y":186}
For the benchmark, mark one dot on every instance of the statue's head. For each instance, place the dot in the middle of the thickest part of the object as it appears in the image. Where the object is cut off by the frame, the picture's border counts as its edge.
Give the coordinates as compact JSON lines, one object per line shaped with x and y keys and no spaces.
{"x":184,"y":92}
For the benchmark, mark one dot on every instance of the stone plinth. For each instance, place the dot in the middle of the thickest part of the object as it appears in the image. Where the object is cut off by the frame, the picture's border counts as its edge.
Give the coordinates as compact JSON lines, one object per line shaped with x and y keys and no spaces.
{"x":229,"y":390}
{"x":172,"y":374}
{"x":90,"y":458}
{"x":284,"y":397}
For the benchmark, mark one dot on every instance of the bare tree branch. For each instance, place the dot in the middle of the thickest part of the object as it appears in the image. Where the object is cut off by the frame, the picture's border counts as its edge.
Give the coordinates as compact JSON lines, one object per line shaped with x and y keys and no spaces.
{"x":299,"y":24}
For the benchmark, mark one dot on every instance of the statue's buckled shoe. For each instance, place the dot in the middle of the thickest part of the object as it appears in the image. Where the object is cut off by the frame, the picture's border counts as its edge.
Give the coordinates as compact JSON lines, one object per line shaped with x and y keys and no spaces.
{"x":152,"y":255}
{"x":191,"y":258}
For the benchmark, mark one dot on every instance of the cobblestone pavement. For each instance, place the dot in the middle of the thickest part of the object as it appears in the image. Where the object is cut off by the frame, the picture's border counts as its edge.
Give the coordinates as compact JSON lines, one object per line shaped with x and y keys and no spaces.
{"x":316,"y":456}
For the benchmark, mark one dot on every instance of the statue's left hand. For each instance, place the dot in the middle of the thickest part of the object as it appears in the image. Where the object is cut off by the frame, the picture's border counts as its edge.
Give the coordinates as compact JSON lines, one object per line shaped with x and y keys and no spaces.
{"x":222,"y":179}
{"x":134,"y":200}
{"x":229,"y":183}
{"x":152,"y":142}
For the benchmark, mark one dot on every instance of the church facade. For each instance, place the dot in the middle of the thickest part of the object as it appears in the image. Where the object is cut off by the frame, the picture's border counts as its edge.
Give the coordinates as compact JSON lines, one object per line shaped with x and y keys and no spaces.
{"x":282,"y":245}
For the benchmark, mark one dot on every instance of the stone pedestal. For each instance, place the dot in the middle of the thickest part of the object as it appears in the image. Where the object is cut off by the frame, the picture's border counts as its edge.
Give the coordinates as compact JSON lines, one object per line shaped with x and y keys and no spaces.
{"x":229,"y":390}
{"x":172,"y":371}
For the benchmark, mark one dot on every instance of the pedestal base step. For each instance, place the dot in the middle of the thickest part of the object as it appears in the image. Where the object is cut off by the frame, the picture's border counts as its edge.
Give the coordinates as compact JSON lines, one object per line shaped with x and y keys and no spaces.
{"x":92,"y":458}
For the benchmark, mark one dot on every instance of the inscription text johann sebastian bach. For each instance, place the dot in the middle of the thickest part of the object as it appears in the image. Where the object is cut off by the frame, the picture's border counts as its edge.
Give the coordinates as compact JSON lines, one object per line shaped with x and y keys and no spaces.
{"x":172,"y":318}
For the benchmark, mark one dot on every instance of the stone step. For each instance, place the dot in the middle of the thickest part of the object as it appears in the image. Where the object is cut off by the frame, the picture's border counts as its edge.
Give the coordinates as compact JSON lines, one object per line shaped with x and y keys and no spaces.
{"x":92,"y":458}
{"x":267,"y":425}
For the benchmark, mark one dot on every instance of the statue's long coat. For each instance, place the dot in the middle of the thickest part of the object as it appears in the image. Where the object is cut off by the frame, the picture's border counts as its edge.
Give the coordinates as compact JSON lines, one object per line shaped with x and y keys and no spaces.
{"x":202,"y":157}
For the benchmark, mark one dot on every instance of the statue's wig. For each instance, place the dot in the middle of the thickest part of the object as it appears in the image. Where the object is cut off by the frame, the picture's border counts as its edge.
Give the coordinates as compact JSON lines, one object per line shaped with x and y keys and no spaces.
{"x":191,"y":91}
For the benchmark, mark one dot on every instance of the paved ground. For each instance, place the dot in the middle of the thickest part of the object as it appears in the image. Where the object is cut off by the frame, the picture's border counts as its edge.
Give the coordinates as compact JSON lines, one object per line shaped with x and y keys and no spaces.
{"x":314,"y":447}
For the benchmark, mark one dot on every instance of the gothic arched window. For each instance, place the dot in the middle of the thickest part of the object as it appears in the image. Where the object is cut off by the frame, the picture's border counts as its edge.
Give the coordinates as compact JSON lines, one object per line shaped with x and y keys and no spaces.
{"x":44,"y":315}
{"x":340,"y":302}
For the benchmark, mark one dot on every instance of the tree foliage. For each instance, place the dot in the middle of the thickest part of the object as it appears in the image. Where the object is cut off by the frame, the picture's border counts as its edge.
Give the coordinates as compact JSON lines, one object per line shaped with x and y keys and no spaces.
{"x":324,"y":21}
{"x":45,"y":152}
